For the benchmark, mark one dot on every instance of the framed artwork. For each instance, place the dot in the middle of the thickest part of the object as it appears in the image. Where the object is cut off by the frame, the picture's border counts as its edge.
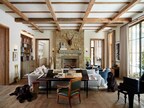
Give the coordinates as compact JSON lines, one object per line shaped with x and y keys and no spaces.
{"x":117,"y":51}
{"x":15,"y":56}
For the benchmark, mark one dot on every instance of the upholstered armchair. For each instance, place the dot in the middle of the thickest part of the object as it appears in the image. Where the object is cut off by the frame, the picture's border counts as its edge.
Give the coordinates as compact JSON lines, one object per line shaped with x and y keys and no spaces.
{"x":104,"y":73}
{"x":70,"y":90}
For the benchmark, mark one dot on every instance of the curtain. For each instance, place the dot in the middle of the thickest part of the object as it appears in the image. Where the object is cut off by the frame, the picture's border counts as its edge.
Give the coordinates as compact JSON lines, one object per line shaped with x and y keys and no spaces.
{"x":110,"y":49}
{"x":123,"y":51}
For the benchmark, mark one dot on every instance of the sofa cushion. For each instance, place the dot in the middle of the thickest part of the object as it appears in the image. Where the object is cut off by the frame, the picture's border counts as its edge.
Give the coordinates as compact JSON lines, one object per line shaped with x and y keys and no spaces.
{"x":91,"y":71}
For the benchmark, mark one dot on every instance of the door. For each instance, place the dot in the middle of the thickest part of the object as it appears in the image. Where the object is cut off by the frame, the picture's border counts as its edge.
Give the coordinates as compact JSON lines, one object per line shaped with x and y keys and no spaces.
{"x":43,"y":52}
{"x":4,"y":55}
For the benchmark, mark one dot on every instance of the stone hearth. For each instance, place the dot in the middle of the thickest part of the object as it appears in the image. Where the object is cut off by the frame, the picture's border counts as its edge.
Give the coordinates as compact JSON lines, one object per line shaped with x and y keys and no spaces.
{"x":75,"y":51}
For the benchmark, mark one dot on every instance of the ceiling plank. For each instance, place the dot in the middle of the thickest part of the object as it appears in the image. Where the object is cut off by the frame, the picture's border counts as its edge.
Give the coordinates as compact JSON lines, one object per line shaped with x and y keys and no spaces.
{"x":122,"y":11}
{"x":9,"y":5}
{"x":90,"y":5}
{"x":76,"y":20}
{"x":49,"y":5}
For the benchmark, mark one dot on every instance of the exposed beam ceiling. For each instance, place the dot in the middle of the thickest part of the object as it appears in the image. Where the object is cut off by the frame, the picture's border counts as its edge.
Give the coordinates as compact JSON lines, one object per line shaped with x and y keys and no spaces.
{"x":124,"y":10}
{"x":80,"y":15}
{"x":90,"y":5}
{"x":48,"y":2}
{"x":9,"y":5}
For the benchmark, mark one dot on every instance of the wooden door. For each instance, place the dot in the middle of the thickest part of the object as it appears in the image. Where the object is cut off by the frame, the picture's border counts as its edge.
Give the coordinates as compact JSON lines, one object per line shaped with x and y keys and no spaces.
{"x":4,"y":46}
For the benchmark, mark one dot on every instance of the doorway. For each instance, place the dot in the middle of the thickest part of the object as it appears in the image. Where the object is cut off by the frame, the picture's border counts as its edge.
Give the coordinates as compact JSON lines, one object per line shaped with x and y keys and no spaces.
{"x":4,"y":55}
{"x":97,"y":52}
{"x":43,"y":52}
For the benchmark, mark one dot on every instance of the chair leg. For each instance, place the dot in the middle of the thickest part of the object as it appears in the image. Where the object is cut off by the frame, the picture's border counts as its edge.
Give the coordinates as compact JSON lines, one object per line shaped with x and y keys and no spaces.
{"x":139,"y":97}
{"x":118,"y":94}
{"x":79,"y":98}
{"x":70,"y":102}
{"x":125,"y":96}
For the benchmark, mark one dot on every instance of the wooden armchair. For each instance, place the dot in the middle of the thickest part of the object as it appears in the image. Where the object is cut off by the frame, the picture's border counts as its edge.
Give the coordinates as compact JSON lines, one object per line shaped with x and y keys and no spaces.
{"x":69,"y":91}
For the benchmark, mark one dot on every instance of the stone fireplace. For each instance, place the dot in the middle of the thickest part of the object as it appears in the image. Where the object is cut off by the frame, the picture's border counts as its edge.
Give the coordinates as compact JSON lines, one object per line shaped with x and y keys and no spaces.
{"x":71,"y":55}
{"x":70,"y":62}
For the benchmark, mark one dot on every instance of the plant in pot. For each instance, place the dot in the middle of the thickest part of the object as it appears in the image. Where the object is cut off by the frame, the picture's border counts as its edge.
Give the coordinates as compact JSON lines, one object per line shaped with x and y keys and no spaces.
{"x":87,"y":59}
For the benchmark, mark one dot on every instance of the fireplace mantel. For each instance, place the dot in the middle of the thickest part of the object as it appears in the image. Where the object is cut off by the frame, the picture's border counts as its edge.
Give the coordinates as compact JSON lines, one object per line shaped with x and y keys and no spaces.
{"x":70,"y":52}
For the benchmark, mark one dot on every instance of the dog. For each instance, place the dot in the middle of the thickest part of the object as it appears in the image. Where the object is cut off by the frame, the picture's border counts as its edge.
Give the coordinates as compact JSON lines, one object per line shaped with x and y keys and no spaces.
{"x":111,"y":83}
{"x":23,"y":93}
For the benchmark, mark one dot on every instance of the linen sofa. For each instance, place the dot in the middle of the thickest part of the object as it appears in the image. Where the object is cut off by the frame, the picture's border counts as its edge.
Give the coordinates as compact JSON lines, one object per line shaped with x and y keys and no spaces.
{"x":95,"y":79}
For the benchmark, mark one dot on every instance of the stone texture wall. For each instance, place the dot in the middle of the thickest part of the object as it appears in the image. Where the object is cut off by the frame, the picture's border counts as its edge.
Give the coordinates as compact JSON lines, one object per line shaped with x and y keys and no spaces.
{"x":75,"y":49}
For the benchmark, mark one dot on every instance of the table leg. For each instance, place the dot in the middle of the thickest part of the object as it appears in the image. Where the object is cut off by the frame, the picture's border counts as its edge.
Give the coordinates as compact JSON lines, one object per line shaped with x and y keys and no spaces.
{"x":47,"y":88}
{"x":50,"y":86}
{"x":84,"y":85}
{"x":87,"y":89}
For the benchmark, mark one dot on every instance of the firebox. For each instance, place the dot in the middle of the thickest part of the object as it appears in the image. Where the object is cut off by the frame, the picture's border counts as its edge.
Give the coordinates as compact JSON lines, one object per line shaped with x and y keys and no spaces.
{"x":70,"y":62}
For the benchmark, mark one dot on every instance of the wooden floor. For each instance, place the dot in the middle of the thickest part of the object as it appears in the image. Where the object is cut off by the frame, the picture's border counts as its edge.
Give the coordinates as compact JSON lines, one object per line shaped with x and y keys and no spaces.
{"x":96,"y":99}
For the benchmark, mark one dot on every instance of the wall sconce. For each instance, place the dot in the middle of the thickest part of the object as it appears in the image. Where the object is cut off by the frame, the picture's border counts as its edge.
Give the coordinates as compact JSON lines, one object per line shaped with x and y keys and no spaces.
{"x":52,"y":49}
{"x":15,"y":48}
{"x":86,"y":50}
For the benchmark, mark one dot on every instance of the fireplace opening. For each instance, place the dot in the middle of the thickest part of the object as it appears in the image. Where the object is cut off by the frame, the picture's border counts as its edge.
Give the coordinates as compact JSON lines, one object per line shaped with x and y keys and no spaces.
{"x":69,"y":62}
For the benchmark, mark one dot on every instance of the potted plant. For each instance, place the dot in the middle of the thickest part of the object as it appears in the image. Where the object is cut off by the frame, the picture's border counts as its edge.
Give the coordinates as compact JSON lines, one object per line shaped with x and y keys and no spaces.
{"x":87,"y":59}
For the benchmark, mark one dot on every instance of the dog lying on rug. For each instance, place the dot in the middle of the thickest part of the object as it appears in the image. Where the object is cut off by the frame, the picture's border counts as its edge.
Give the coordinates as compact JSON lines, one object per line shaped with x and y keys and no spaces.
{"x":111,"y":82}
{"x":23,"y":93}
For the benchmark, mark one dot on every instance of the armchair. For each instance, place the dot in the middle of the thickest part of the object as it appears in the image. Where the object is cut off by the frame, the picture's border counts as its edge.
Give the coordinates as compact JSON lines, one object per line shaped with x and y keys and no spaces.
{"x":104,"y":73}
{"x":69,"y":91}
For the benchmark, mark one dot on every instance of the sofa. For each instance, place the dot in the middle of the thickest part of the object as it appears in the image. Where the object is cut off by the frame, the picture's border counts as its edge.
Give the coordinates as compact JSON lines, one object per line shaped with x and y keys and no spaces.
{"x":37,"y":73}
{"x":95,"y":80}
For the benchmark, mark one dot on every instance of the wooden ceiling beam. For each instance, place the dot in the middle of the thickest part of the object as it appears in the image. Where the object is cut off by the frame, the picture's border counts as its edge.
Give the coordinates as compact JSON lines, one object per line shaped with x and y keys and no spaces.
{"x":76,"y":20}
{"x":122,"y":11}
{"x":72,"y":2}
{"x":113,"y":26}
{"x":24,"y":17}
{"x":49,"y":5}
{"x":74,"y":12}
{"x":90,"y":5}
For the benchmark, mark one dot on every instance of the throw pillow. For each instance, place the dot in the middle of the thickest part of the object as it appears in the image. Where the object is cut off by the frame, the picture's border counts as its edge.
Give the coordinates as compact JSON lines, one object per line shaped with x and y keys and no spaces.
{"x":45,"y":70}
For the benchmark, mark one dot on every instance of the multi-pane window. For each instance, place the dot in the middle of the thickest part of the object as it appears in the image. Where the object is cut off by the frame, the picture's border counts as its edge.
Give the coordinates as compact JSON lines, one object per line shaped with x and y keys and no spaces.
{"x":96,"y":50}
{"x":136,"y":49}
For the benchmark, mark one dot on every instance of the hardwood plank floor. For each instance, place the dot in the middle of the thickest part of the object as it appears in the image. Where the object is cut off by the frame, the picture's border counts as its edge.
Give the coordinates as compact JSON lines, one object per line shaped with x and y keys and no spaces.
{"x":96,"y":99}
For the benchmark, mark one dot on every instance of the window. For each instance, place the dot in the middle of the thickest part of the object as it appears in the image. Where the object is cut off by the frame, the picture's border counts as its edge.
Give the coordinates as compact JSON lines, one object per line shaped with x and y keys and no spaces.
{"x":136,"y":49}
{"x":96,"y":50}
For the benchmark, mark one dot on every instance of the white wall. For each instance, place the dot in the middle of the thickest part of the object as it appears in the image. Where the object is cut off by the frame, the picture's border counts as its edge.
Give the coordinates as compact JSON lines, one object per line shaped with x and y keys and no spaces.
{"x":14,"y":40}
{"x":91,"y":34}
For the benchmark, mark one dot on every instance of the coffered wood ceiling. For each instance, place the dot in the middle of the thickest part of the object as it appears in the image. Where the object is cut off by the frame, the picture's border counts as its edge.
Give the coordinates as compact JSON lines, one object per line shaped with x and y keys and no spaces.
{"x":73,"y":14}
